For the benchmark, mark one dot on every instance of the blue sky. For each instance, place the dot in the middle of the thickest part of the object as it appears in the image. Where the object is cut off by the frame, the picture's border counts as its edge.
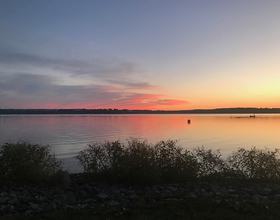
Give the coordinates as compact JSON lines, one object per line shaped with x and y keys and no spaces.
{"x":139,"y":54}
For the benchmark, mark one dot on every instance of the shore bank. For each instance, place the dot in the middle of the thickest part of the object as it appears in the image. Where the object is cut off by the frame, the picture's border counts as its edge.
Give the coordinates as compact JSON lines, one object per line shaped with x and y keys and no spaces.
{"x":75,"y":192}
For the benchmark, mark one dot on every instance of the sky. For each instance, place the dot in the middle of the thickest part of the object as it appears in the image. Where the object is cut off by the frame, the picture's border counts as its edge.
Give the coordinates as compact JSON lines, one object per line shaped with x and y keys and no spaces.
{"x":128,"y":54}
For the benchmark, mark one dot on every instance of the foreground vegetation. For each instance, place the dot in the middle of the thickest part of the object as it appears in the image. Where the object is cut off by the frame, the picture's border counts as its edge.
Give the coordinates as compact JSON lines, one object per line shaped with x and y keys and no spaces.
{"x":139,"y":162}
{"x":26,"y":163}
{"x":165,"y":161}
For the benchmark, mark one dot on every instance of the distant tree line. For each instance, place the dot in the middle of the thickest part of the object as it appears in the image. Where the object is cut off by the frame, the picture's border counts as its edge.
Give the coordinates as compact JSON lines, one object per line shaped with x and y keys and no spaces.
{"x":126,"y":111}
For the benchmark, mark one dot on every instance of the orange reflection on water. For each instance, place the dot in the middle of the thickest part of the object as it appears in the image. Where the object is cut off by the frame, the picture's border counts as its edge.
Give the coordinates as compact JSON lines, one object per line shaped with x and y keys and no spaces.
{"x":71,"y":133}
{"x":231,"y":132}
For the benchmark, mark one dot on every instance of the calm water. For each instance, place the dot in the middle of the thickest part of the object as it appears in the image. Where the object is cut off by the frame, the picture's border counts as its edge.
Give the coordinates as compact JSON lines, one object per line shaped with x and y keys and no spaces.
{"x":68,"y":134}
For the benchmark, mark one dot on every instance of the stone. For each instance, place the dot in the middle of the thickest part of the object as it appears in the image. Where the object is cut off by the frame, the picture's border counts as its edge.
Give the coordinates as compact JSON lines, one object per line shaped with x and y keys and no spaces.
{"x":41,"y":199}
{"x":13,"y":194}
{"x":265,"y":191}
{"x":89,"y":201}
{"x":64,"y":179}
{"x":71,"y":198}
{"x":172,"y":188}
{"x":171,"y":200}
{"x":114,"y":203}
{"x":234,"y":195}
{"x":215,"y":189}
{"x":67,"y":207}
{"x":29,"y":212}
{"x":47,"y":193}
{"x":83,"y":206}
{"x":4,"y":209}
{"x":102,"y":196}
{"x":277,"y":197}
{"x":133,"y":197}
{"x":13,"y":201}
{"x":3,"y":194}
{"x":191,"y":195}
{"x":83,"y":193}
{"x":86,"y":188}
{"x":256,"y":198}
{"x":264,"y":199}
{"x":117,"y":192}
{"x":3,"y":200}
{"x":53,"y":205}
{"x":34,"y":206}
{"x":12,"y":208}
{"x":274,"y":192}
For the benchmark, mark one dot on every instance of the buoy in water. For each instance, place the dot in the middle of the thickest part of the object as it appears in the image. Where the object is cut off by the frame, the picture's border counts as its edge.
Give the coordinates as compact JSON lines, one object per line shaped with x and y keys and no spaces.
{"x":189,"y":121}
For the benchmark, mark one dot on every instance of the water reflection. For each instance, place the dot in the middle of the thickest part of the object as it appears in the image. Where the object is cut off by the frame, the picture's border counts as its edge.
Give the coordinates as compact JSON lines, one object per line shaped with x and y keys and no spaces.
{"x":70,"y":134}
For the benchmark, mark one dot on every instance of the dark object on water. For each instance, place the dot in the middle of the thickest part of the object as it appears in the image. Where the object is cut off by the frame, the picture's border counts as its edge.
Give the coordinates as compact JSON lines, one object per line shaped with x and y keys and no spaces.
{"x":189,"y":121}
{"x":252,"y":116}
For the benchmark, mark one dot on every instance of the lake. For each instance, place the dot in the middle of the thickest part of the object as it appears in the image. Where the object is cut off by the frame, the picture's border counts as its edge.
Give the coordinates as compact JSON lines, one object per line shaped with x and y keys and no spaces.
{"x":68,"y":134}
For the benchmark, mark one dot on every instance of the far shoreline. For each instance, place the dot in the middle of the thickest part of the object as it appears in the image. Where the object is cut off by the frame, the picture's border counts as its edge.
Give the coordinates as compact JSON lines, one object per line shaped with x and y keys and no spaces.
{"x":127,"y":111}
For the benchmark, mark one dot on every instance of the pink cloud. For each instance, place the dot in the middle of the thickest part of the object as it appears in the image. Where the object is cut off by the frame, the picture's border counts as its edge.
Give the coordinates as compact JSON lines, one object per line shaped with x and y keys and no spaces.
{"x":34,"y":91}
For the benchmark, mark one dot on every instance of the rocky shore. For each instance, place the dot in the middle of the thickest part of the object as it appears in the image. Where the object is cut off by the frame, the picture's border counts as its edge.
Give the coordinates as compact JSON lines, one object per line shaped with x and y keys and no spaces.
{"x":74,"y":192}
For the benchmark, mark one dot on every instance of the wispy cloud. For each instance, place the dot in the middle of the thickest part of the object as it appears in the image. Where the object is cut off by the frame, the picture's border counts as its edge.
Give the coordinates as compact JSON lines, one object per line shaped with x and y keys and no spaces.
{"x":71,"y":81}
{"x":133,"y":85}
{"x":24,"y":90}
{"x":96,"y":67}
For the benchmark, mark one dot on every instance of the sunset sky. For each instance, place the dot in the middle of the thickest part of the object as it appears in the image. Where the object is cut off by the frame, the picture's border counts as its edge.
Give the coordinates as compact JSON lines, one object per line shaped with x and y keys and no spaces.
{"x":126,"y":54}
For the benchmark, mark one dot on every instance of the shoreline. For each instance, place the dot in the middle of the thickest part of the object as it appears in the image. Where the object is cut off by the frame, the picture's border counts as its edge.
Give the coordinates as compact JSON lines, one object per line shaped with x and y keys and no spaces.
{"x":75,"y":192}
{"x":126,"y":187}
{"x":126,"y":111}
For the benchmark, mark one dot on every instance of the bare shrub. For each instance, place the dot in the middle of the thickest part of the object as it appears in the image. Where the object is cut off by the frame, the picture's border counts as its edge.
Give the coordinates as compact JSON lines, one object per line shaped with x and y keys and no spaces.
{"x":165,"y":161}
{"x":139,"y":161}
{"x":255,"y":164}
{"x":98,"y":157}
{"x":175,"y":163}
{"x":210,"y":163}
{"x":23,"y":162}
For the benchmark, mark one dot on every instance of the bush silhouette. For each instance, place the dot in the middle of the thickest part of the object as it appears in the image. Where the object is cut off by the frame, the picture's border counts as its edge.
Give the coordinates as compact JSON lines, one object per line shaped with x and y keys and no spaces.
{"x":165,"y":161}
{"x":23,"y":162}
{"x":255,"y":164}
{"x":211,"y":165}
{"x":139,"y":161}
